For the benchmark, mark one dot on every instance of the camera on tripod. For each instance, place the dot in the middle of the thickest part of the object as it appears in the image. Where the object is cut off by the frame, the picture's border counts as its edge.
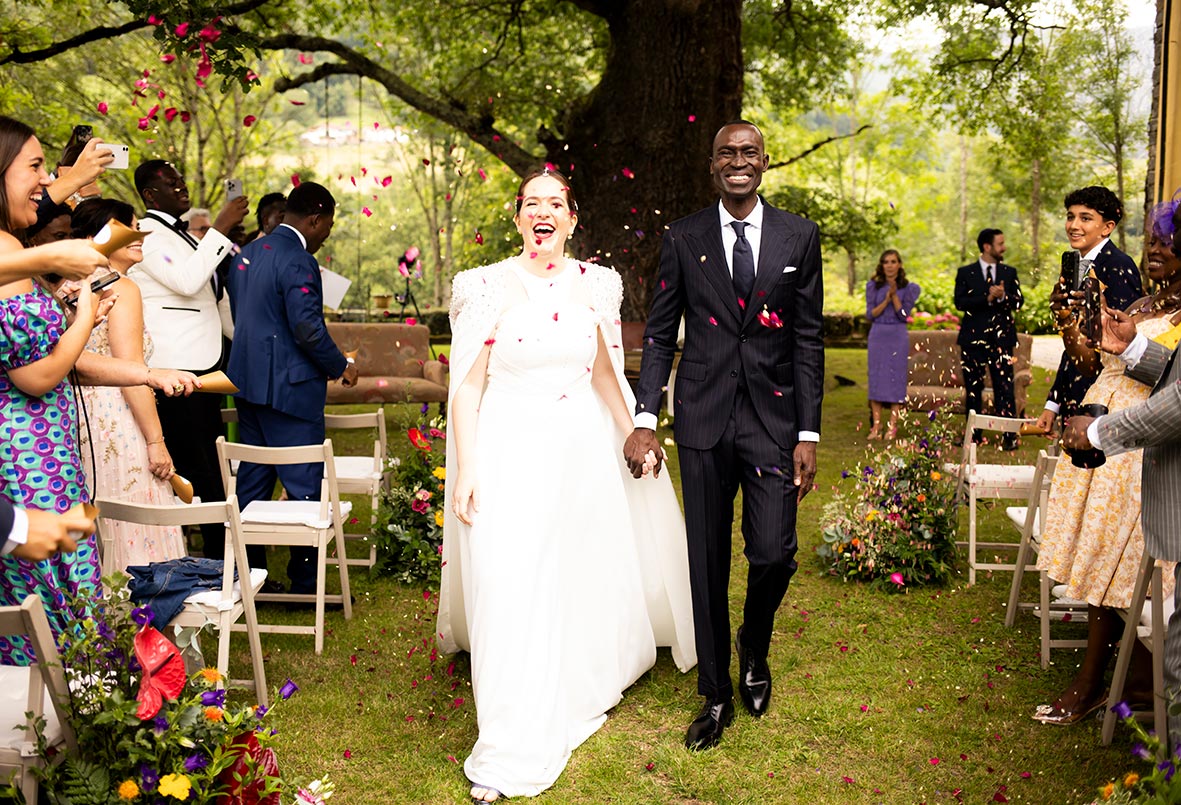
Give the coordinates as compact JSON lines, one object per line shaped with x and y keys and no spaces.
{"x":409,"y":267}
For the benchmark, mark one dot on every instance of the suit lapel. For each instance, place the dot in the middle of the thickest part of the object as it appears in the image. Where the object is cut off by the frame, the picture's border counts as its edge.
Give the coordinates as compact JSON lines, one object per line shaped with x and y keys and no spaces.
{"x":773,"y":247}
{"x":706,"y":245}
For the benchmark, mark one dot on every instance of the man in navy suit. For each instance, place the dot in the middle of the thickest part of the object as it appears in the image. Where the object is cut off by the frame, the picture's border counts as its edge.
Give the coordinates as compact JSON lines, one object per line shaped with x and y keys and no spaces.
{"x":988,"y":293}
{"x":282,"y":358}
{"x":747,"y":278}
{"x":1091,"y":215}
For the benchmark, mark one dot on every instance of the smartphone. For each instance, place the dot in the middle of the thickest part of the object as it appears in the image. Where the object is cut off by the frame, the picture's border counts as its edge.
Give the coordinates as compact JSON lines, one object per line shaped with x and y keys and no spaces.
{"x":233,"y":189}
{"x":96,"y":286}
{"x":1070,"y":271}
{"x":122,"y":155}
{"x":82,"y":133}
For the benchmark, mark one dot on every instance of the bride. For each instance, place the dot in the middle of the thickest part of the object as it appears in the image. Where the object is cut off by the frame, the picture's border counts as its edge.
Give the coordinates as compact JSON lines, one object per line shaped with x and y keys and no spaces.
{"x":561,"y":573}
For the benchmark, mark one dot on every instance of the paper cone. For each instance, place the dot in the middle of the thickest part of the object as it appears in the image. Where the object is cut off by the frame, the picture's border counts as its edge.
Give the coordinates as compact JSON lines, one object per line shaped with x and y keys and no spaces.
{"x":352,"y":353}
{"x":114,"y":236}
{"x":182,"y":487}
{"x":1031,"y":429}
{"x":216,"y":383}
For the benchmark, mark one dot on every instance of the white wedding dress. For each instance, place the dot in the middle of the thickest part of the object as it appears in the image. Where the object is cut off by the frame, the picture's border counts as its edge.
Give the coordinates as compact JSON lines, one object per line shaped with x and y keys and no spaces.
{"x":560,"y":590}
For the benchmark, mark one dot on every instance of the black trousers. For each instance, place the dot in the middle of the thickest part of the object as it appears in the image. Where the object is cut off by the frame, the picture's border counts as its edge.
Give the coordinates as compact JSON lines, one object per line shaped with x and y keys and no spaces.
{"x":997,"y":362}
{"x":745,"y":458}
{"x":191,"y":427}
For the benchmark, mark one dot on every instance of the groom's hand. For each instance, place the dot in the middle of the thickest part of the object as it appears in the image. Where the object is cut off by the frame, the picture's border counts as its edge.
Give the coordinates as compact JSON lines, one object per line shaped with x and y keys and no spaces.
{"x":805,"y":461}
{"x":636,"y":448}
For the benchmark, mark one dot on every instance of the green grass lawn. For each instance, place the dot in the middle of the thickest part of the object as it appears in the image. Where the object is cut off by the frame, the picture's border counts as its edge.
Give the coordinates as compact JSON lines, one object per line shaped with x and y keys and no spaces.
{"x":919,"y":697}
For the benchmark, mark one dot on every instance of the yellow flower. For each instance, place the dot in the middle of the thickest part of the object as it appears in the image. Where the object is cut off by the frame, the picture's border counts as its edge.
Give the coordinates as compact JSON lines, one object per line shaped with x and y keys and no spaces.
{"x":213,"y":713}
{"x":176,"y":786}
{"x":871,"y":514}
{"x":935,"y":475}
{"x":1131,"y":779}
{"x":128,"y":790}
{"x":440,"y":473}
{"x":211,"y":675}
{"x":438,"y":518}
{"x":1108,"y":790}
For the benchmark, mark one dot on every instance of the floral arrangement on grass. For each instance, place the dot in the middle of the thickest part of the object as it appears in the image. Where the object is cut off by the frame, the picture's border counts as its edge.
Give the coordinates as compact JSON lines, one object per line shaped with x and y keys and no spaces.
{"x":1159,"y":785}
{"x":922,"y":320}
{"x":409,"y":530}
{"x":151,"y":736}
{"x":896,"y":525}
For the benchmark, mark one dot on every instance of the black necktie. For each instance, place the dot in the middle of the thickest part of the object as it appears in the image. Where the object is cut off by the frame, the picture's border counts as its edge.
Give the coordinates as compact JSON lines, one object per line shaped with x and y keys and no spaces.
{"x":991,"y":276}
{"x":744,"y":263}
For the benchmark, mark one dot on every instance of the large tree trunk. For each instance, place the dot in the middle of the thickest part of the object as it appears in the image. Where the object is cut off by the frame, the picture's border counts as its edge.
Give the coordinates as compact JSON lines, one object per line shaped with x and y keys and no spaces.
{"x":1035,"y":224}
{"x":851,"y":270}
{"x":673,"y":78}
{"x":963,"y":198}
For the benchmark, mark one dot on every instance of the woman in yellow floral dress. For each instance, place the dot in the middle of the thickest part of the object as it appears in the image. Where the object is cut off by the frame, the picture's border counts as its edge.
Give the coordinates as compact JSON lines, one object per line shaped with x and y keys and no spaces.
{"x":1092,"y":541}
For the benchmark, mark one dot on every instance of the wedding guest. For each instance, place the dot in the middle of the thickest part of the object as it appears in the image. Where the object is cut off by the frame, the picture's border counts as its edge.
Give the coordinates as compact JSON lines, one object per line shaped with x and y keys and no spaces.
{"x":122,"y":443}
{"x":199,"y":220}
{"x":52,"y":225}
{"x":1092,"y":540}
{"x":35,"y":535}
{"x":269,"y":214}
{"x":889,"y":299}
{"x":536,"y":344}
{"x":40,"y":466}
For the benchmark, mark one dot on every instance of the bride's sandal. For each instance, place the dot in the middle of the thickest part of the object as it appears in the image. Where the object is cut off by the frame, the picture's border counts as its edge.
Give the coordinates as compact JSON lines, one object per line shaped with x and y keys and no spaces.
{"x":483,"y":794}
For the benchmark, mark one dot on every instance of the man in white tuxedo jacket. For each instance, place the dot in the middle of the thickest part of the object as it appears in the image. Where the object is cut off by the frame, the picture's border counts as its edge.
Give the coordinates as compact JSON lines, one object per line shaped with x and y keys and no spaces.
{"x":180,"y":297}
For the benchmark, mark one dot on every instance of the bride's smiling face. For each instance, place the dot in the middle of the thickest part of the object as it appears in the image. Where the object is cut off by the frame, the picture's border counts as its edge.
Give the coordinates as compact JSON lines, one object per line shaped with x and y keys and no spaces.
{"x":544,"y":217}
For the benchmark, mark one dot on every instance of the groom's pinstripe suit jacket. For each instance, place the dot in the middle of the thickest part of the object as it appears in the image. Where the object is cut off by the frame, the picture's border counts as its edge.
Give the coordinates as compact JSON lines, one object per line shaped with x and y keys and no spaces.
{"x":1155,"y":426}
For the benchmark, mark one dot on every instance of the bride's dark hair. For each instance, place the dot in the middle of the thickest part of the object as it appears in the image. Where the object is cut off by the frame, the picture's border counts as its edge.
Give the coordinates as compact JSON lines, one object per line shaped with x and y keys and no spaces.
{"x":547,"y":171}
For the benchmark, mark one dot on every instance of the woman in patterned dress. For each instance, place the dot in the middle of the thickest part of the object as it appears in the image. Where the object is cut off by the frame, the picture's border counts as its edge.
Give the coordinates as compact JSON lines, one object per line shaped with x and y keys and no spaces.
{"x":122,"y":442}
{"x":40,"y":467}
{"x":1092,"y":541}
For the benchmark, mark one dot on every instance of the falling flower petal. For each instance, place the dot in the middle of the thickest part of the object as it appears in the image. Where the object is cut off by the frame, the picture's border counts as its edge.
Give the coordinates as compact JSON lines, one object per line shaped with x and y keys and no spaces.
{"x":305,"y":58}
{"x":168,"y":58}
{"x":249,"y":120}
{"x":628,"y":173}
{"x":102,"y":107}
{"x":295,"y":180}
{"x":366,"y":212}
{"x":181,"y":30}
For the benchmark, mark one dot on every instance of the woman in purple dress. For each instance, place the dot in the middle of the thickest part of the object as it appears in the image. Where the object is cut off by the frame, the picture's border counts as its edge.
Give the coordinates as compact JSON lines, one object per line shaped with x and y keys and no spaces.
{"x":889,"y":299}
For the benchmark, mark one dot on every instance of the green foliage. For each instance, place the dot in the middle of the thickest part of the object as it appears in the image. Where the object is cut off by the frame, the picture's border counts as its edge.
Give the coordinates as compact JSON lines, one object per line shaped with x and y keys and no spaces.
{"x":897,"y":527}
{"x":409,"y":530}
{"x":1160,"y":784}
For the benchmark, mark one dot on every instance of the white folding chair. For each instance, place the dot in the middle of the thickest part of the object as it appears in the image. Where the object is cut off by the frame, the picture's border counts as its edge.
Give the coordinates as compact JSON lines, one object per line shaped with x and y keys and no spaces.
{"x":1147,"y":624}
{"x":362,"y":475}
{"x":229,"y":609}
{"x":23,"y":689}
{"x":309,"y":523}
{"x":1030,"y":519}
{"x":989,"y":481}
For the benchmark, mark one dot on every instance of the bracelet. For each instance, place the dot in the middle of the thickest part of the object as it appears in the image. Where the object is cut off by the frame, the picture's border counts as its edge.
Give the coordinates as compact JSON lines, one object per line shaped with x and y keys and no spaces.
{"x":158,"y":441}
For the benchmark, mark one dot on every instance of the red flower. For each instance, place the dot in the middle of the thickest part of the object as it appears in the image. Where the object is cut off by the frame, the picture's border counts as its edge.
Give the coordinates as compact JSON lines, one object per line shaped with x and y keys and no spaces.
{"x":418,"y":440}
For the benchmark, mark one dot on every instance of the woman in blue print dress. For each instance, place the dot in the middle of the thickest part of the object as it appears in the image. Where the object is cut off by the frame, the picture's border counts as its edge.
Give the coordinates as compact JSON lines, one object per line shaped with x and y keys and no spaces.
{"x":889,"y":299}
{"x":40,"y":466}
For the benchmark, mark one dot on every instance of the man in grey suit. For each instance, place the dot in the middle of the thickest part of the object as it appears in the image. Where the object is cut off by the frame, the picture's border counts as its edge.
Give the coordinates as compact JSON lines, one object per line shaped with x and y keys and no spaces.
{"x":1154,"y":426}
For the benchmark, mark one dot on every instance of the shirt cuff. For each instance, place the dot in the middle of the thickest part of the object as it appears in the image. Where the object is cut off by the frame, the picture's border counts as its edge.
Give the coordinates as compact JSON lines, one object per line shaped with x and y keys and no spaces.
{"x":809,"y":436}
{"x":1093,"y":433}
{"x":20,"y":531}
{"x":1135,"y":351}
{"x":645,"y":419}
{"x":1053,"y":407}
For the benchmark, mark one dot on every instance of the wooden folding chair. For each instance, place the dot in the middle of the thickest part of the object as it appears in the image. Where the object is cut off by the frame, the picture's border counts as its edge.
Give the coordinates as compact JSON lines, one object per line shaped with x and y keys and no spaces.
{"x":310,"y":523}
{"x":230,"y":609}
{"x":989,"y":481}
{"x":1149,"y":628}
{"x":23,"y":689}
{"x":363,"y":475}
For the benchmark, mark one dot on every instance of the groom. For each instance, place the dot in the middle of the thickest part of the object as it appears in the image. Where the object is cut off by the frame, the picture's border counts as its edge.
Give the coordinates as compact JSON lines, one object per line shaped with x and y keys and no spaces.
{"x":747,"y":279}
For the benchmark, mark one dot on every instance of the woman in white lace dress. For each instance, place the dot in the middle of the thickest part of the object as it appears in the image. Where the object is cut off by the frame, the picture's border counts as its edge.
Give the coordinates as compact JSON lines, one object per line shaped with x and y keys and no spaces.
{"x":562,"y":574}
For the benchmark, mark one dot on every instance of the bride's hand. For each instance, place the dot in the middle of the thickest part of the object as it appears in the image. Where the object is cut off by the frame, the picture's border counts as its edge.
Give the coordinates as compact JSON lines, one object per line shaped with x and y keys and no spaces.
{"x":466,"y":495}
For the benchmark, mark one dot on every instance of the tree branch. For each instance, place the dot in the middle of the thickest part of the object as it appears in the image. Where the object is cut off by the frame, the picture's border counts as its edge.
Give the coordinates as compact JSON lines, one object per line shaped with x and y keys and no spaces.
{"x":817,"y":146}
{"x":480,"y":128}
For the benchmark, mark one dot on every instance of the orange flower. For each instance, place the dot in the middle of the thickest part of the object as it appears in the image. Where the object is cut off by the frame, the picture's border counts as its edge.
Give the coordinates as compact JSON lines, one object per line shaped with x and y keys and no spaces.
{"x":921,"y":498}
{"x":856,"y":543}
{"x":1131,"y":779}
{"x":211,"y":675}
{"x":1108,"y":790}
{"x":213,"y":713}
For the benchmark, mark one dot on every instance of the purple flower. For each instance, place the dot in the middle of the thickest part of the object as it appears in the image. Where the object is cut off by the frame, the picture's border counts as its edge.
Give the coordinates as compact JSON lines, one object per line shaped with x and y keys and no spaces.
{"x":425,"y":407}
{"x":288,"y":690}
{"x":1141,"y":751}
{"x":1122,"y":710}
{"x":160,"y":725}
{"x":142,"y":615}
{"x":931,"y":416}
{"x":260,"y":711}
{"x":214,"y":698}
{"x":104,"y":631}
{"x":844,"y":473}
{"x":1168,"y":768}
{"x":148,"y":776}
{"x":196,"y":762}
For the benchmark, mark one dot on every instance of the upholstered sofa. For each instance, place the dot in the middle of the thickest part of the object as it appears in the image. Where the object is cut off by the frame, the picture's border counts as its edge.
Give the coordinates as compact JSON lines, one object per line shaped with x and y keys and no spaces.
{"x":935,"y":372}
{"x":394,"y":364}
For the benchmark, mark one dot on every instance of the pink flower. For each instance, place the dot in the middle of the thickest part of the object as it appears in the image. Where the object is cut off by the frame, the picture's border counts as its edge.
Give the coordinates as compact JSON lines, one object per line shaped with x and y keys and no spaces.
{"x":420,"y":506}
{"x":181,"y":30}
{"x":422,"y":494}
{"x":897,"y":579}
{"x":154,"y":20}
{"x":102,"y":107}
{"x":209,"y":34}
{"x":168,"y":58}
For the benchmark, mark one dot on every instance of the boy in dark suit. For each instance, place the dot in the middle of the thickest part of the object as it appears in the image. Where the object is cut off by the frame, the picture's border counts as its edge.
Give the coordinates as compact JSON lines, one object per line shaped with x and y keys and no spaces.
{"x":988,"y":293}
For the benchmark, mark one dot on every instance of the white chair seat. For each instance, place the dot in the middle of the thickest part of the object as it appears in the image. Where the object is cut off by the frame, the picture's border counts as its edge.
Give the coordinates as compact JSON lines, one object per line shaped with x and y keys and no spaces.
{"x":1146,"y":614}
{"x":290,"y":512}
{"x":211,"y":599}
{"x":355,"y":468}
{"x":1016,"y":476}
{"x":14,"y":701}
{"x":1058,"y":592}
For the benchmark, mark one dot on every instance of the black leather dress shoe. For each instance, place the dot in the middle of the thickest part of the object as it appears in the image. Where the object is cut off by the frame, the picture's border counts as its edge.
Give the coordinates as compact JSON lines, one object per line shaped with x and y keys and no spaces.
{"x":754,"y":679}
{"x":706,"y":729}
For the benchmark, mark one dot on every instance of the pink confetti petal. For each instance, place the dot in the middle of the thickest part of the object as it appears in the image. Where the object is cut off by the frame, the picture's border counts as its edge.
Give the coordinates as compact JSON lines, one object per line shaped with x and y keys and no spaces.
{"x":295,"y":180}
{"x":305,"y":58}
{"x":168,"y":58}
{"x":102,"y":107}
{"x":628,"y":173}
{"x":297,"y":103}
{"x":386,"y":181}
{"x":348,"y":755}
{"x":366,"y":212}
{"x":249,"y":121}
{"x":181,"y":30}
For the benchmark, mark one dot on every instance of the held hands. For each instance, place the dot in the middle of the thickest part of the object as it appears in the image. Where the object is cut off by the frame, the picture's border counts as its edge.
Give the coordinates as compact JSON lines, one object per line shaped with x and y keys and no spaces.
{"x":996,"y":293}
{"x":173,"y":382}
{"x":49,"y":533}
{"x":804,"y":458}
{"x":1074,"y":433}
{"x":466,"y":500}
{"x":232,"y":214}
{"x":1118,"y":331}
{"x":642,"y":453}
